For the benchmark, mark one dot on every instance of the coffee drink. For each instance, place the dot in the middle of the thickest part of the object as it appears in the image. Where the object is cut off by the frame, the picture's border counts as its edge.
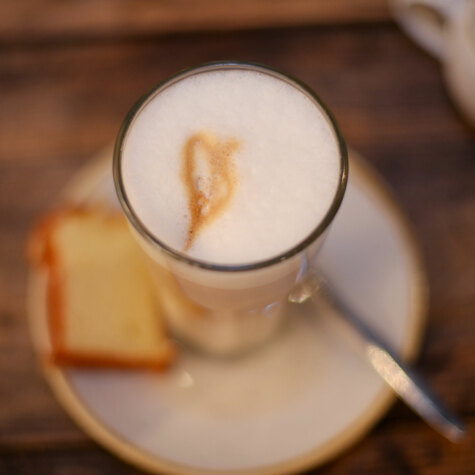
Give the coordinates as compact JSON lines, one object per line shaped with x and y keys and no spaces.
{"x":230,"y":175}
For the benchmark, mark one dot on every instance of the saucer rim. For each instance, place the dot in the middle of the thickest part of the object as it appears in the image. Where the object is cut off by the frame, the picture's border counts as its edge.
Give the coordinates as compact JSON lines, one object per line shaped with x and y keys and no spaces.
{"x":63,"y":388}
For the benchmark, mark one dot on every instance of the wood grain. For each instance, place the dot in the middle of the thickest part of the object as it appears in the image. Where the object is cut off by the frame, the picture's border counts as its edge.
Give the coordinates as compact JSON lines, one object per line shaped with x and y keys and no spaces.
{"x":61,"y":102}
{"x":63,"y":19}
{"x":395,"y":448}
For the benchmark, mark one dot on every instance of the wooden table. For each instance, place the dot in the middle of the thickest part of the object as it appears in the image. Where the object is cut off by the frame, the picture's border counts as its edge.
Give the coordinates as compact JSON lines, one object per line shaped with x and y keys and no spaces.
{"x":63,"y":93}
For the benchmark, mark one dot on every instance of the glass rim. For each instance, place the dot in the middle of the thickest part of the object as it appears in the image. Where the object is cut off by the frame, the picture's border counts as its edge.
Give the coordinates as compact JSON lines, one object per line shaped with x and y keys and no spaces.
{"x":144,"y":232}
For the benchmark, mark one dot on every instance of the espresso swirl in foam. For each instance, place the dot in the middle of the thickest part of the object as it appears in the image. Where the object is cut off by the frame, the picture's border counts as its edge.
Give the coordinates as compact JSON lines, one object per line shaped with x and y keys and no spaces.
{"x":209,"y":178}
{"x":231,"y":166}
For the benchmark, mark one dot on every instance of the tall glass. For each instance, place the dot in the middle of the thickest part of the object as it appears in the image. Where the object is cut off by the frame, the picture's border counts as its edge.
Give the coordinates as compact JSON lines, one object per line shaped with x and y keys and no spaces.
{"x":226,"y":309}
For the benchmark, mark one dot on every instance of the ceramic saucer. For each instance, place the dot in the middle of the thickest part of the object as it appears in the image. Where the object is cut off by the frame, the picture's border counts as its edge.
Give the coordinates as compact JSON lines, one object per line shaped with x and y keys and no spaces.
{"x":290,"y":405}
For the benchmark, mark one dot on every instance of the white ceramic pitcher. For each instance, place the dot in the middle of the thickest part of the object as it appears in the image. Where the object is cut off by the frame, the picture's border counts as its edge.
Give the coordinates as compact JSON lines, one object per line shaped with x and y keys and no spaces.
{"x":446,"y":29}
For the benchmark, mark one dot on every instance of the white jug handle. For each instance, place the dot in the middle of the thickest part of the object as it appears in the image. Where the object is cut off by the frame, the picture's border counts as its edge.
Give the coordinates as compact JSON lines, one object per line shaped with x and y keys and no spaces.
{"x":425,"y":21}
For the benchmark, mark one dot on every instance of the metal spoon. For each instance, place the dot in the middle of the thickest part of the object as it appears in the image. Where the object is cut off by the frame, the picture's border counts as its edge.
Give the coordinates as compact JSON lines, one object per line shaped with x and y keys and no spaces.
{"x":404,"y":381}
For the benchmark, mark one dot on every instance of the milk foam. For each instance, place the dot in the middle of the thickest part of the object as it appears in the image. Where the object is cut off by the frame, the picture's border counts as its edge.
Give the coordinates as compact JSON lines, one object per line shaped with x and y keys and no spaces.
{"x":287,"y":164}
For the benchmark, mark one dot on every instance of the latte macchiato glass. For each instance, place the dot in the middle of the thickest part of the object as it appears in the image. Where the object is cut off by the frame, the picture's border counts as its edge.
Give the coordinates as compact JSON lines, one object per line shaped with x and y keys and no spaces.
{"x":229,"y":174}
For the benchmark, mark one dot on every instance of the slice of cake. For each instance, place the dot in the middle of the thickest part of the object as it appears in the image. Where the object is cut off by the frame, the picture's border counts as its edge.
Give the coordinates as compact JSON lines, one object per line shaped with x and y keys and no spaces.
{"x":102,"y":309}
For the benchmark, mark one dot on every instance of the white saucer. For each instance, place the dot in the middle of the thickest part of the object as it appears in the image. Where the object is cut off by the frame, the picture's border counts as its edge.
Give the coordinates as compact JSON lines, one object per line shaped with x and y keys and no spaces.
{"x":294,"y":403}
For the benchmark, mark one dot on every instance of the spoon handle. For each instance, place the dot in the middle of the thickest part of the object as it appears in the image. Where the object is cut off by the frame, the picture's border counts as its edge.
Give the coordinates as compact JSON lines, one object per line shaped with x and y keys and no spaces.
{"x":410,"y":386}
